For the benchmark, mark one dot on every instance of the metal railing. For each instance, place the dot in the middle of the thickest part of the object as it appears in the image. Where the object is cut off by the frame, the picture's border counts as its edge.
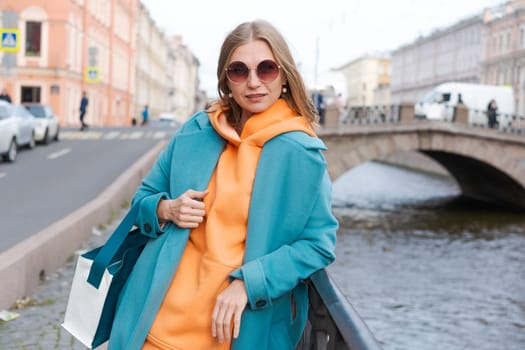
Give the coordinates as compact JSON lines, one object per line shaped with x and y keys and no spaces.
{"x":333,"y":323}
{"x":381,"y":114}
{"x":371,"y":114}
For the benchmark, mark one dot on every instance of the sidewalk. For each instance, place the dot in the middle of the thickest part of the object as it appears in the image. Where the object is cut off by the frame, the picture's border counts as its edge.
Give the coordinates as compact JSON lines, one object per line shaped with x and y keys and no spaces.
{"x":38,"y":326}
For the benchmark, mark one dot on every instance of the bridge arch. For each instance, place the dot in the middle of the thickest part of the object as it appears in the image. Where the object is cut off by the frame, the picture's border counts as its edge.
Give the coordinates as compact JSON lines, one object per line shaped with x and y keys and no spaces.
{"x":487,"y":165}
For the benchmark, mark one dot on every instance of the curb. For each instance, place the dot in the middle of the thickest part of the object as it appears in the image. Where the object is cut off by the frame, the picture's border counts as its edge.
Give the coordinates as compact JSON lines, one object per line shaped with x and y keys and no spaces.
{"x":25,"y":265}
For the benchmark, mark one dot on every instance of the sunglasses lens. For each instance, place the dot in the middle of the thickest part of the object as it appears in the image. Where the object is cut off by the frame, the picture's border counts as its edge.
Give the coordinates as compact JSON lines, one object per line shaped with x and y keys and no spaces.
{"x":267,"y":70}
{"x":237,"y":72}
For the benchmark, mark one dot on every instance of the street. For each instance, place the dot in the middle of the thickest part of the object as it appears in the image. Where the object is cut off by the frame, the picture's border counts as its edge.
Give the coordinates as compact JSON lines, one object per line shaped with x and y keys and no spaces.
{"x":49,"y":182}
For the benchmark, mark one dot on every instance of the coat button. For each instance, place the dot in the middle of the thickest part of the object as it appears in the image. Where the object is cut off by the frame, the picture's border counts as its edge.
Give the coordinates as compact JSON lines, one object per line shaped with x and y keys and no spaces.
{"x":260,"y":303}
{"x":147,"y":228}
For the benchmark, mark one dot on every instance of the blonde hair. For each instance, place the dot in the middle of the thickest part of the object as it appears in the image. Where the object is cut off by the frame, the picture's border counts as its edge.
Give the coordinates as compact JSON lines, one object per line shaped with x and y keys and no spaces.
{"x":296,"y":95}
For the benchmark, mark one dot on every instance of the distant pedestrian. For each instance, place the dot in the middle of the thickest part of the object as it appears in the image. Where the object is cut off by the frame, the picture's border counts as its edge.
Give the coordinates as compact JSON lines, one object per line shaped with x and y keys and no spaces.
{"x":5,"y":96}
{"x":492,"y":109}
{"x":145,"y":115}
{"x":83,"y":109}
{"x":339,"y":104}
{"x":319,"y":105}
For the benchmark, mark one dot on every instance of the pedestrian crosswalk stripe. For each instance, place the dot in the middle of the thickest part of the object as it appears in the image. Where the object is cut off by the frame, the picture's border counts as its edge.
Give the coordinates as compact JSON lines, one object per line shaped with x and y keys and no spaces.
{"x":111,"y":135}
{"x":93,"y":135}
{"x":136,"y":135}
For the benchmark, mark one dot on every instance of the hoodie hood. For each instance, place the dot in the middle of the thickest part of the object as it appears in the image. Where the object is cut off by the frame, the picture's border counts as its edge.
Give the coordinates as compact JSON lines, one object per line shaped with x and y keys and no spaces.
{"x":261,"y":127}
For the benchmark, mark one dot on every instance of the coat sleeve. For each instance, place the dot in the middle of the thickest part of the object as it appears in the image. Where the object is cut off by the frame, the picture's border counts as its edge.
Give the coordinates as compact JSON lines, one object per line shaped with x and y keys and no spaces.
{"x":156,"y":184}
{"x":153,"y":188}
{"x":273,"y":274}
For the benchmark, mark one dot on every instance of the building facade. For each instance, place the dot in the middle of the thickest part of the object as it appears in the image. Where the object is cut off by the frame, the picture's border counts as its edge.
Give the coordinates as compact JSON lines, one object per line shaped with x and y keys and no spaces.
{"x":504,"y":50}
{"x":185,"y":94}
{"x":153,"y":70}
{"x":367,"y":80}
{"x":450,"y":54}
{"x":111,"y":49}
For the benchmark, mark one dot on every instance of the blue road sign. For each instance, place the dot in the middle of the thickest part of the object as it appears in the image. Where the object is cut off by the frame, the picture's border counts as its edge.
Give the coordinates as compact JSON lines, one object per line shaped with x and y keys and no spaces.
{"x":9,"y":39}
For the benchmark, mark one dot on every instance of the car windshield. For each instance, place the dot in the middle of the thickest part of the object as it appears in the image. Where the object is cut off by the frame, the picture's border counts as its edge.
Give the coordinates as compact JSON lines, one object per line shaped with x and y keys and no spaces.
{"x":37,"y":111}
{"x":20,"y":110}
{"x":436,"y":97}
{"x":4,"y":112}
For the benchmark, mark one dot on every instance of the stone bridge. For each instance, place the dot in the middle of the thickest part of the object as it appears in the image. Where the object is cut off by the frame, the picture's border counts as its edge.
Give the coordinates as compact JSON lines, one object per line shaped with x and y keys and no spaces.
{"x":487,"y":164}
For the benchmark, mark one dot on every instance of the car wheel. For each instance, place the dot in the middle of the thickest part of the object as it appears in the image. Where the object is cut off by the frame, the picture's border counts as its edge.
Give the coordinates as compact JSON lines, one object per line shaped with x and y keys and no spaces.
{"x":56,"y":138}
{"x":11,"y":153}
{"x":32,"y":142}
{"x":45,"y":140}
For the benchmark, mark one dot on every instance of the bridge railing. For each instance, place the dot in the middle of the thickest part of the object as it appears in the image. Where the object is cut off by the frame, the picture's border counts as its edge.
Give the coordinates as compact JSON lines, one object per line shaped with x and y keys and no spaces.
{"x":370,"y":114}
{"x":333,"y":324}
{"x":505,"y":122}
{"x":367,"y":115}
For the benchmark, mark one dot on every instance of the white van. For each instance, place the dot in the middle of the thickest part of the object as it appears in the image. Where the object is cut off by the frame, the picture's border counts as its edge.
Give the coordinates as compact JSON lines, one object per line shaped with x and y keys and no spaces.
{"x":439,"y":103}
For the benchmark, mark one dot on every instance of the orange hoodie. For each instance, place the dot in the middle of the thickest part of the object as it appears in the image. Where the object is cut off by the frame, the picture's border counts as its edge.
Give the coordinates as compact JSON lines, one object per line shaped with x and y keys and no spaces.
{"x":216,"y":247}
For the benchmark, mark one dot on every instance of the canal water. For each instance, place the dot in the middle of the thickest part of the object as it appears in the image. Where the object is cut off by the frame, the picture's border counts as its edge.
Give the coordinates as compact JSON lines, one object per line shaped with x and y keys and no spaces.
{"x":425,"y":269}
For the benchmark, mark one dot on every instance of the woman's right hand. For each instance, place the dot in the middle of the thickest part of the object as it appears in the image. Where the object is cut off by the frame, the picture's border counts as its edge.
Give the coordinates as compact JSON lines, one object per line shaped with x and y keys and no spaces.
{"x":186,"y":211}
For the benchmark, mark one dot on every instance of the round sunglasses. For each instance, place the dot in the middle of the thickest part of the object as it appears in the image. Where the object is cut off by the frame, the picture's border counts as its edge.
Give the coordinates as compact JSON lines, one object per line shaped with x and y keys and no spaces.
{"x":267,"y":71}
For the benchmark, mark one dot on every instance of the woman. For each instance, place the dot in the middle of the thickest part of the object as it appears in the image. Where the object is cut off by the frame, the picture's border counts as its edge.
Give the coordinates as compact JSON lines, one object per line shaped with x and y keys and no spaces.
{"x":238,"y":207}
{"x":492,"y":112}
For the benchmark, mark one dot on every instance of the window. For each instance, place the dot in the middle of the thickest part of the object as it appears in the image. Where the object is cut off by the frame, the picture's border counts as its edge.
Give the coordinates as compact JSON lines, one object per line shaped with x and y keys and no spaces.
{"x":30,"y":94}
{"x":33,"y":38}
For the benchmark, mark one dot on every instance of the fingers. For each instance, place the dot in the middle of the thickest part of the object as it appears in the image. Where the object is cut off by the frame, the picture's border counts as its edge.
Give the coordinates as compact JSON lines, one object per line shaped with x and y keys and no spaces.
{"x":197,"y":195}
{"x":218,"y":322}
{"x":237,"y":322}
{"x":188,"y":210}
{"x":229,"y":307}
{"x":222,"y":317}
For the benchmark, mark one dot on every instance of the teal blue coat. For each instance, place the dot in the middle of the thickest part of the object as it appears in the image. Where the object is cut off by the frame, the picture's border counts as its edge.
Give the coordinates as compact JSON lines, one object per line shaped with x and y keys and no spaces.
{"x":291,"y":234}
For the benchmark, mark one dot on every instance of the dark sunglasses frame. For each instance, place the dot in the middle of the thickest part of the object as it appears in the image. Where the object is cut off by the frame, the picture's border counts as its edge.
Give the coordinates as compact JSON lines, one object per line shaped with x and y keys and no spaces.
{"x":267,"y":71}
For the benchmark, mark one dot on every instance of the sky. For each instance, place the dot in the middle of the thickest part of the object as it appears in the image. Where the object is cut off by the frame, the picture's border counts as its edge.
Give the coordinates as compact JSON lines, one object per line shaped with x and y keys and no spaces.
{"x":323,"y":35}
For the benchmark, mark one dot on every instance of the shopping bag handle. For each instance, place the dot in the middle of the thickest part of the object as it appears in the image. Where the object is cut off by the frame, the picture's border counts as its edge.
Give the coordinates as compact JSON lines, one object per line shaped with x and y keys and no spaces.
{"x":112,"y":245}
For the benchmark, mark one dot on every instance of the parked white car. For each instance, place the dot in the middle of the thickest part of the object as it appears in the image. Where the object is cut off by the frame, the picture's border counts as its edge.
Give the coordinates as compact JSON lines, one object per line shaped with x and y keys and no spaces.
{"x":17,"y":129}
{"x":47,"y":128}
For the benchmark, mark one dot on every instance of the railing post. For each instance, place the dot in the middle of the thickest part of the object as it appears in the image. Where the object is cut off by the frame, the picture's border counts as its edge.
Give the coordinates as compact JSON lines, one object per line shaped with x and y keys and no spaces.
{"x":406,"y":112}
{"x":461,"y":114}
{"x":331,"y":119}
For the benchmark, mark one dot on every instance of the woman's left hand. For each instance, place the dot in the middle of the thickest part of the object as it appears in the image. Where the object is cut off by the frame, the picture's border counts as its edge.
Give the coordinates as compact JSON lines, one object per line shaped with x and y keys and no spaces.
{"x":230,"y":304}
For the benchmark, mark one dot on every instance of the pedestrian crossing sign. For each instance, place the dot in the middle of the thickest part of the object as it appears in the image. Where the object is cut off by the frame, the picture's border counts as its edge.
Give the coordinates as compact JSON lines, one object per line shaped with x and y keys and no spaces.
{"x":92,"y":74}
{"x":9,"y":39}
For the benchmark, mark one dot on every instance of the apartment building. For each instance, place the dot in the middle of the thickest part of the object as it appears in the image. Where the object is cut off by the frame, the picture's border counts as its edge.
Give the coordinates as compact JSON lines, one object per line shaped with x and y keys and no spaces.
{"x":185,"y":97}
{"x":448,"y":54}
{"x":504,"y":50}
{"x":488,"y":48}
{"x":367,"y":80}
{"x":153,"y":66}
{"x":112,"y":49}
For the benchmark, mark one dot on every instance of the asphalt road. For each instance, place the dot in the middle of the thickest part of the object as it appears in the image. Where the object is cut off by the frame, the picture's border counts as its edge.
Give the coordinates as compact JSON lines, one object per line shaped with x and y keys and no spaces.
{"x":49,"y":182}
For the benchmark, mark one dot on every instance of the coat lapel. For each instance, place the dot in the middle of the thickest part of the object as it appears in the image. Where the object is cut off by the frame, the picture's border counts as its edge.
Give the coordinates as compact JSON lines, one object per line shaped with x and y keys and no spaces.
{"x":192,"y":167}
